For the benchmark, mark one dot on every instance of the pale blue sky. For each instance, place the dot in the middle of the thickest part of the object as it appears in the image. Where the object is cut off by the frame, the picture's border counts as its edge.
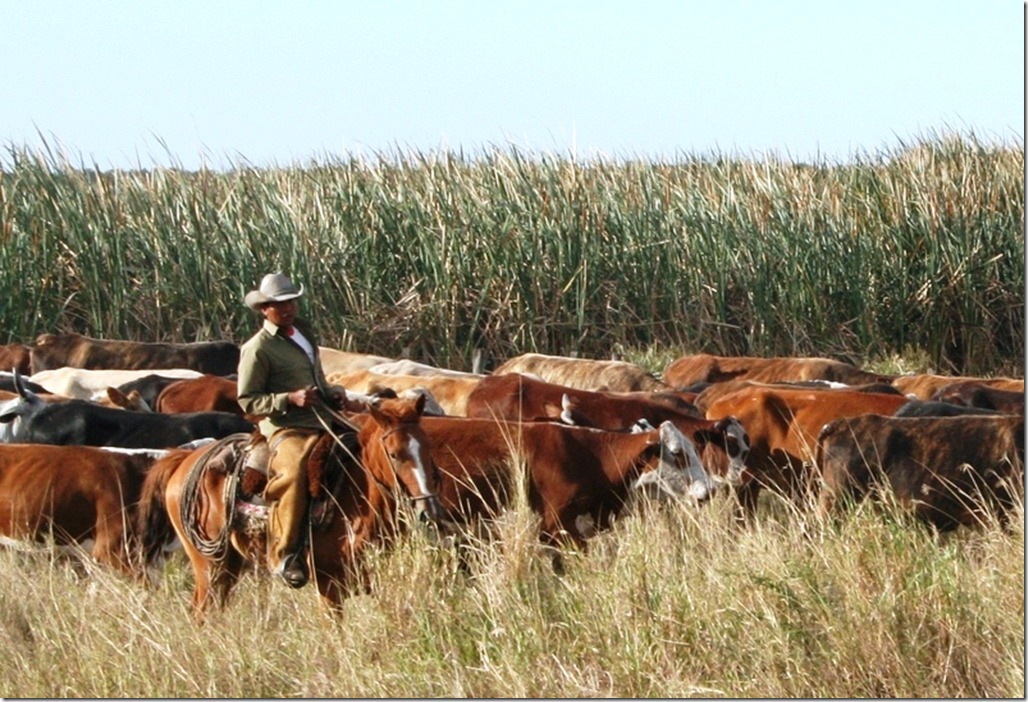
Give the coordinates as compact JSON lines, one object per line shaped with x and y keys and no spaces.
{"x":184,"y":82}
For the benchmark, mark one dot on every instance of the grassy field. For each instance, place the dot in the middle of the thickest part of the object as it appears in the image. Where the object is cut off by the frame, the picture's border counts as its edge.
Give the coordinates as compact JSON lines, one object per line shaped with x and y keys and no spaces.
{"x":671,"y":603}
{"x":437,"y":255}
{"x":905,"y":261}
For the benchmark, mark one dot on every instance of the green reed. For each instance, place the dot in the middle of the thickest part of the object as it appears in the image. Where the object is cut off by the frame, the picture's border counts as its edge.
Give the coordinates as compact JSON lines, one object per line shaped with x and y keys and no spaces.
{"x":439,"y":254}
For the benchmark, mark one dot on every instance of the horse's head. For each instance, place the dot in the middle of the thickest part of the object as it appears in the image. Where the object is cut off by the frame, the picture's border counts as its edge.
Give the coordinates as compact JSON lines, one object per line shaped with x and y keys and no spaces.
{"x":395,"y":451}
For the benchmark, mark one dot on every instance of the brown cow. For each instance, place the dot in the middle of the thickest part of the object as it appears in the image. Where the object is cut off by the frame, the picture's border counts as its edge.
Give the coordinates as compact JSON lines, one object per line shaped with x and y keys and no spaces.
{"x":208,"y":393}
{"x":577,"y":478}
{"x":924,"y":385}
{"x":16,"y":356}
{"x":948,"y":471}
{"x":585,"y":374}
{"x":76,"y":494}
{"x":707,"y":368}
{"x":517,"y":397}
{"x":726,"y":387}
{"x":450,"y":392}
{"x":52,"y":351}
{"x":783,"y":424}
{"x":974,"y":393}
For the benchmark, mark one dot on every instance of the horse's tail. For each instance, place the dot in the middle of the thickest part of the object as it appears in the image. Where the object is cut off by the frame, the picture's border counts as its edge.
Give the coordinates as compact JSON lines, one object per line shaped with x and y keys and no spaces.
{"x":152,"y":520}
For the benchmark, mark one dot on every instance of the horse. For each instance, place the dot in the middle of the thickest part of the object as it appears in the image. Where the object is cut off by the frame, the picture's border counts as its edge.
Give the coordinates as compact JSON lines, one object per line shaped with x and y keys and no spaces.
{"x":189,"y":494}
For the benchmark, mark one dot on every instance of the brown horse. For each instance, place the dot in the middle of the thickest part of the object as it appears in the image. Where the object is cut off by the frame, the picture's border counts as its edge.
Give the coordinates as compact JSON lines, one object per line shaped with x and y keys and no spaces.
{"x":357,"y":506}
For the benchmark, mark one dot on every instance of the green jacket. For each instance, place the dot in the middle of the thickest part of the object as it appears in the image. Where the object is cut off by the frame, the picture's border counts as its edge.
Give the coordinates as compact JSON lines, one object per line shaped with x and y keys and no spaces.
{"x":271,"y":365}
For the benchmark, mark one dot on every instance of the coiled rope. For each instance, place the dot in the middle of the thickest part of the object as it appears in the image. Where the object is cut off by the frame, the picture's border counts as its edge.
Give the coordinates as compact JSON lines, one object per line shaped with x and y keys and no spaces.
{"x":191,"y":505}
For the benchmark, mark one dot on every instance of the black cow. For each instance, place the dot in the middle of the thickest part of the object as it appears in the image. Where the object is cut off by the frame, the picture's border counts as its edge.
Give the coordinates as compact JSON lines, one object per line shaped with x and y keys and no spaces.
{"x":31,"y":420}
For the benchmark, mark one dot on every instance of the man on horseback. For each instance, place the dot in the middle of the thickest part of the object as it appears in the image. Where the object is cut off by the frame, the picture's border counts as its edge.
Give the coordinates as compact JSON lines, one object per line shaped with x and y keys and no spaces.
{"x":281,"y":378}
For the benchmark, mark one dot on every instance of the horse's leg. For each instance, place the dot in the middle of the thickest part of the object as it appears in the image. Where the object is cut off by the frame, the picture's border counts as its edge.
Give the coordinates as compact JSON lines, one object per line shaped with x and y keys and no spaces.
{"x":333,"y":588}
{"x":109,"y":544}
{"x":226,"y":576}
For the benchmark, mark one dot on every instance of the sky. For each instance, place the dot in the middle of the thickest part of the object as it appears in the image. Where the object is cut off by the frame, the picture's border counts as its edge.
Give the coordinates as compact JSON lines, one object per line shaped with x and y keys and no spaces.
{"x":222,"y":83}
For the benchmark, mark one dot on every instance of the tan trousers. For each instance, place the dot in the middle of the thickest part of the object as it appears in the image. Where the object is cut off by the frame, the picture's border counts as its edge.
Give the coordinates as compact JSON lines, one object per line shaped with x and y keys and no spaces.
{"x":286,"y":491}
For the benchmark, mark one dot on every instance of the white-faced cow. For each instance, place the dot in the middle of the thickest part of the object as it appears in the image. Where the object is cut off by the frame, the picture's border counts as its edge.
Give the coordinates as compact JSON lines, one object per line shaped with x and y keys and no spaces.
{"x":722,"y":444}
{"x":577,"y":478}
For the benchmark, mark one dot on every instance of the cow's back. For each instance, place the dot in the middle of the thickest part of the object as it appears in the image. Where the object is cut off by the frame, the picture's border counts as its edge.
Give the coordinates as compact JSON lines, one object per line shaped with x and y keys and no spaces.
{"x":208,"y":393}
{"x":586,"y":374}
{"x":707,"y":368}
{"x":16,"y":357}
{"x":923,"y":386}
{"x":451,"y":392}
{"x":74,"y":494}
{"x":52,"y":351}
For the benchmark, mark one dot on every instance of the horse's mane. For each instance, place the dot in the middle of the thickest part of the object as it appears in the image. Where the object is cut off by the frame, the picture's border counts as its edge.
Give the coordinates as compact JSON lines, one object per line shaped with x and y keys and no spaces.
{"x":321,"y":470}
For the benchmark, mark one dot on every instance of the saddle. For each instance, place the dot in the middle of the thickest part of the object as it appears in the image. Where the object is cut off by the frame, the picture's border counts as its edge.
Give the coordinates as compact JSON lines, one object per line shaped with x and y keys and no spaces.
{"x":247,"y":455}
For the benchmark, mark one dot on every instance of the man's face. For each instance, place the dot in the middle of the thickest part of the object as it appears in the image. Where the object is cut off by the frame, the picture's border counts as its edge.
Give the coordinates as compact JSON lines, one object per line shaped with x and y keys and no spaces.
{"x":281,"y":314}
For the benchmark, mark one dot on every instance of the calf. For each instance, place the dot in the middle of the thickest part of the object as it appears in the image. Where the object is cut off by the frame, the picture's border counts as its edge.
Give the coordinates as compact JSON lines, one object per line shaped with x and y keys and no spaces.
{"x":947,"y":471}
{"x":208,"y":393}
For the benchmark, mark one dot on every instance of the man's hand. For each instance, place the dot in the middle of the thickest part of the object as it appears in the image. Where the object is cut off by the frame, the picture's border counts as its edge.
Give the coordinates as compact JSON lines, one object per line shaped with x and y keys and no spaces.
{"x":304,"y":397}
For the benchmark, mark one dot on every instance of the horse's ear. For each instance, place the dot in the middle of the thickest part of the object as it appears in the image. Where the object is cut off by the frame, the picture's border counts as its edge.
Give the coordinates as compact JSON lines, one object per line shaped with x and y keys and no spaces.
{"x":419,"y":403}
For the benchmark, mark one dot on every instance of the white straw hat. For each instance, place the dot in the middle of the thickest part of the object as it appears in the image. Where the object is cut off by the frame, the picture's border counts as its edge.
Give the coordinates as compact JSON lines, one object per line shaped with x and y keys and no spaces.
{"x":275,"y":287}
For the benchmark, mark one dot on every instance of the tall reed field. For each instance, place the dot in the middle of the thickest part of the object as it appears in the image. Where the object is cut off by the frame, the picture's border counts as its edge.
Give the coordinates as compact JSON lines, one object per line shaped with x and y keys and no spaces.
{"x":673,"y":602}
{"x":437,"y":255}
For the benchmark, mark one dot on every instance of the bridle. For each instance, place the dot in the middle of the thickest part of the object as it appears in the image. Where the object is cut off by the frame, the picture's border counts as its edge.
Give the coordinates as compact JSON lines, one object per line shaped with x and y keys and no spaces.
{"x":385,"y":489}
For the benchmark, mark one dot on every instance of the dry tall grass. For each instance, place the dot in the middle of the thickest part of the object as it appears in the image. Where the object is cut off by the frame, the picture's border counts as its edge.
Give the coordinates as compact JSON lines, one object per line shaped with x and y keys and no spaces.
{"x":670,"y":603}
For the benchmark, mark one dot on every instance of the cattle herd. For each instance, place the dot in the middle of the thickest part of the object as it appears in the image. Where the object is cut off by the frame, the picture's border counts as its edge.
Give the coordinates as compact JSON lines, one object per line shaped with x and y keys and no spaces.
{"x":112,"y":445}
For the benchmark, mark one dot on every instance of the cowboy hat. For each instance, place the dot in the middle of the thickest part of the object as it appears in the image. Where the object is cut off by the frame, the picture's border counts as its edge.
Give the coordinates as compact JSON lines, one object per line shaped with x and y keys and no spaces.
{"x":275,"y":287}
